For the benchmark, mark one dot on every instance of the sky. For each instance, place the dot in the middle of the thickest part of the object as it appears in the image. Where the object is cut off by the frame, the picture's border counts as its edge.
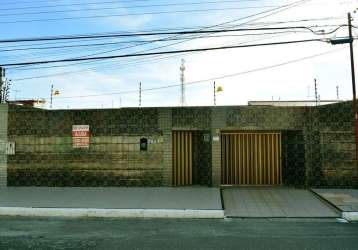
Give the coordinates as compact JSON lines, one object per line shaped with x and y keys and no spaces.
{"x":280,"y":72}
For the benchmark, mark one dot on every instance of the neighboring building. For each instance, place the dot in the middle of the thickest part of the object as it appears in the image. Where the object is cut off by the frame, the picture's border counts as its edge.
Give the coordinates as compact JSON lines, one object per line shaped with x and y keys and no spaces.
{"x":301,"y":103}
{"x":211,"y":146}
{"x":40,"y":103}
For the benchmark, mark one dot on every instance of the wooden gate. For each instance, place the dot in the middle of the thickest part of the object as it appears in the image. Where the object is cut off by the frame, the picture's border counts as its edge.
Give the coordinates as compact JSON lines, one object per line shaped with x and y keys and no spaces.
{"x":182,"y":158}
{"x":251,"y":159}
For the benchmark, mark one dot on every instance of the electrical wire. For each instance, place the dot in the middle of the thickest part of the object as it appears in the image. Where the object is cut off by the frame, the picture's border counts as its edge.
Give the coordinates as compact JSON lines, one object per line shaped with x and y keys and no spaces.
{"x":132,"y":7}
{"x":164,"y":33}
{"x":132,"y":63}
{"x":267,"y":14}
{"x":94,"y":3}
{"x":161,"y":52}
{"x":208,"y":79}
{"x":259,"y":15}
{"x":70,"y":65}
{"x":131,"y":14}
{"x":141,"y":41}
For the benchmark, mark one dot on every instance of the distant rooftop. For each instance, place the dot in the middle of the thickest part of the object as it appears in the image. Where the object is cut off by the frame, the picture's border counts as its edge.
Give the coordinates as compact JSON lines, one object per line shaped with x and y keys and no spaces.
{"x":38,"y":103}
{"x":296,"y":103}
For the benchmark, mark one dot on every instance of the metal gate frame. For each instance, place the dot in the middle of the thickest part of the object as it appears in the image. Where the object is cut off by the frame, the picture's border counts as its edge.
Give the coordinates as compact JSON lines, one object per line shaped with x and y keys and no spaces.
{"x":251,"y":158}
{"x":182,"y":158}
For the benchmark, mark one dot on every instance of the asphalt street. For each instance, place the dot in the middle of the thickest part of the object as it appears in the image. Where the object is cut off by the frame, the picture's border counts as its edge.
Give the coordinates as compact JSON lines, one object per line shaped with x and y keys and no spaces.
{"x":58,"y":233}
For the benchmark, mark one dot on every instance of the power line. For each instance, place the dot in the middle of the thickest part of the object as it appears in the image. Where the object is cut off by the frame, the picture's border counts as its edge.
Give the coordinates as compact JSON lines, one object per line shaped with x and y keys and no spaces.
{"x":257,"y":16}
{"x":160,"y":33}
{"x":128,"y":7}
{"x":161,"y":52}
{"x":130,"y":14}
{"x":210,"y":79}
{"x":179,"y":28}
{"x":132,"y":63}
{"x":141,"y":41}
{"x":267,"y":13}
{"x":93,"y":3}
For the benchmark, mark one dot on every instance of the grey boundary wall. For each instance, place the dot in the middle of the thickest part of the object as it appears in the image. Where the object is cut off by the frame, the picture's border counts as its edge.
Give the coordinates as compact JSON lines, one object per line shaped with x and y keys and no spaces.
{"x":3,"y":141}
{"x":318,"y":143}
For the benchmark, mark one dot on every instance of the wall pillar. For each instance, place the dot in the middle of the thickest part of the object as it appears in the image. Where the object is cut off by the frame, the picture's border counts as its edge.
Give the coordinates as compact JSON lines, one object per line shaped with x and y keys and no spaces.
{"x":165,"y":124}
{"x":3,"y":141}
{"x":218,"y":122}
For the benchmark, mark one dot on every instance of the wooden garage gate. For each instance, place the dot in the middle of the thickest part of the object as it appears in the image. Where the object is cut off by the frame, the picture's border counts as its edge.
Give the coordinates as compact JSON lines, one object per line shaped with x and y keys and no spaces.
{"x":182,"y":158}
{"x":251,"y":158}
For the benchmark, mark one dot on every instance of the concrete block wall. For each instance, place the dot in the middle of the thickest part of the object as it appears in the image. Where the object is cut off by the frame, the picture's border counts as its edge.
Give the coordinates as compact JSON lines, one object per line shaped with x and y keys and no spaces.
{"x":330,"y":146}
{"x":3,"y":141}
{"x":165,"y":124}
{"x":45,"y":156}
{"x":117,"y":160}
{"x":218,"y":123}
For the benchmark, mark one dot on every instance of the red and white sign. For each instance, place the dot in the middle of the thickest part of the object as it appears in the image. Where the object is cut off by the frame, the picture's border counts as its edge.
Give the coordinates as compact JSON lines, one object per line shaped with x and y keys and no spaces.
{"x":80,"y":136}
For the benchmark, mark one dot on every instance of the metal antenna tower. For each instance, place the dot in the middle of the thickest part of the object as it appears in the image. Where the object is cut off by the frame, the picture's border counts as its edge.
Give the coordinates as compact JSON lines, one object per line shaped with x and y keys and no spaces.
{"x":315,"y":91}
{"x":182,"y":82}
{"x":337,"y":88}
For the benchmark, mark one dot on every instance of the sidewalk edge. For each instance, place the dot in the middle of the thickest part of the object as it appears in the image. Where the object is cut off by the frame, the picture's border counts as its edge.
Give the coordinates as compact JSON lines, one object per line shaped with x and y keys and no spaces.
{"x":112,"y":213}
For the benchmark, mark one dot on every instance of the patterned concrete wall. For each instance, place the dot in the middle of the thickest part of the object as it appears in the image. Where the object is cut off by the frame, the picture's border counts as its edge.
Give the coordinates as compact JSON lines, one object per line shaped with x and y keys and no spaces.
{"x":318,"y":144}
{"x":45,"y":155}
{"x":218,"y":123}
{"x":3,"y":140}
{"x":191,"y":118}
{"x":165,"y":123}
{"x":330,"y":146}
{"x":110,"y":161}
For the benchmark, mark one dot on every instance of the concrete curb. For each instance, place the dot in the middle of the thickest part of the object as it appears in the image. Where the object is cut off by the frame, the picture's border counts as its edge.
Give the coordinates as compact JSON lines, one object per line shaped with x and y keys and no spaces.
{"x":350,"y":216}
{"x":112,"y":213}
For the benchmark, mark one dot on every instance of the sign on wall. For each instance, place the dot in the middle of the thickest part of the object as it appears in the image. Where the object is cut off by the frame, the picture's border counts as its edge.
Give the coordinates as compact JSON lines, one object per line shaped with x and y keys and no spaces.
{"x":80,"y":136}
{"x":10,"y":148}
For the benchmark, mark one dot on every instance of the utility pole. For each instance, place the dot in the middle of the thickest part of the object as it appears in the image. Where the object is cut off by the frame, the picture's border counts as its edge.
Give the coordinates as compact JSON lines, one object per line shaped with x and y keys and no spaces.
{"x":182,"y":82}
{"x":350,"y":40}
{"x":353,"y":85}
{"x":337,"y":89}
{"x":214,"y":93}
{"x":140,"y":94}
{"x":16,"y":91}
{"x":51,"y":96}
{"x":1,"y":85}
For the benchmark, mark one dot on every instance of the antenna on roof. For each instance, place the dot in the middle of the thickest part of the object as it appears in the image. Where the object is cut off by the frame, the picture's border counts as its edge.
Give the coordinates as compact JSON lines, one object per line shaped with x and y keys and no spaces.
{"x":316,"y":91}
{"x":182,"y":83}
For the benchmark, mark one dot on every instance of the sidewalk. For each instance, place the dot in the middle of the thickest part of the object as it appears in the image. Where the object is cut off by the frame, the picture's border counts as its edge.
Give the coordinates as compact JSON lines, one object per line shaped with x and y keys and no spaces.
{"x":345,"y":200}
{"x":186,"y":202}
{"x":275,"y":202}
{"x":179,"y":202}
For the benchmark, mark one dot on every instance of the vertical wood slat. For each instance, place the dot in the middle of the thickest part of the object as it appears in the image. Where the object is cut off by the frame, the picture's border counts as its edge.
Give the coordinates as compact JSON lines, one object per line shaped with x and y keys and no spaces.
{"x":269,"y":159}
{"x":223,"y":168}
{"x":251,"y":158}
{"x":182,"y":158}
{"x":240,"y":159}
{"x":190,"y":159}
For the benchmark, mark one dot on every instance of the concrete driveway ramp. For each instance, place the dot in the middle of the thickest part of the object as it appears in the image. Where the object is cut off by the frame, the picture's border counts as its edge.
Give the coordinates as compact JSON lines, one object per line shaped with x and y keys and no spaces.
{"x":275,"y":202}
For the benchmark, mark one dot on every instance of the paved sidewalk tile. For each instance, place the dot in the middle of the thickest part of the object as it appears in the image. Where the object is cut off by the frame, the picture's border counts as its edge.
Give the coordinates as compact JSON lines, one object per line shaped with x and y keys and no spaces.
{"x":274,"y":202}
{"x":344,"y":199}
{"x":112,"y":198}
